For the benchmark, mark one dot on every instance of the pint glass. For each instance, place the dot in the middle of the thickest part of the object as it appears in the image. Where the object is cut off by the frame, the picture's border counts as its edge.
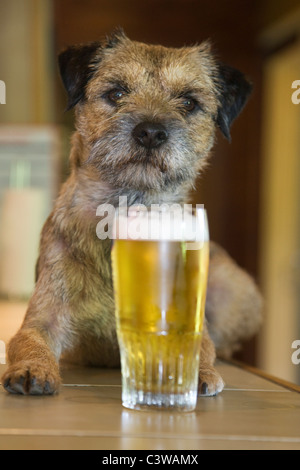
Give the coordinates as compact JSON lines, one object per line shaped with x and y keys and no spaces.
{"x":160,"y":264}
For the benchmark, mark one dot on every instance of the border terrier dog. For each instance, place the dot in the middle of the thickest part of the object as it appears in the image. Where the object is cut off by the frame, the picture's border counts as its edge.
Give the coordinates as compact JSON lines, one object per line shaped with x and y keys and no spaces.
{"x":146,"y":117}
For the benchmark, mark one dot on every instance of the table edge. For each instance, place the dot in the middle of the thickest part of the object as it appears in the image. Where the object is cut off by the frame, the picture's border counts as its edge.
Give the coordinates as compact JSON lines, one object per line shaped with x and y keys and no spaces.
{"x":261,"y":373}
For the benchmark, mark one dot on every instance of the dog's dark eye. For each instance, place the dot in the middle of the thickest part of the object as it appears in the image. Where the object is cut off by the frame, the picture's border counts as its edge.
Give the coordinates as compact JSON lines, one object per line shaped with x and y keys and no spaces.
{"x":189,"y":104}
{"x":115,"y":95}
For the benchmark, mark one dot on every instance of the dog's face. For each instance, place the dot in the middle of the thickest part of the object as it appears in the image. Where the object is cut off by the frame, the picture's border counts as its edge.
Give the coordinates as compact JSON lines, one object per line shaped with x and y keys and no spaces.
{"x":147,"y":114}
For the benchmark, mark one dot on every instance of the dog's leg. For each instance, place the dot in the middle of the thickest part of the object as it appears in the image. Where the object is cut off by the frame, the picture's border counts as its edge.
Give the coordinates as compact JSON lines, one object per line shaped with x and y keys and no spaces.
{"x":233,"y":314}
{"x":234,"y":304}
{"x":33,"y":353}
{"x":210,"y":381}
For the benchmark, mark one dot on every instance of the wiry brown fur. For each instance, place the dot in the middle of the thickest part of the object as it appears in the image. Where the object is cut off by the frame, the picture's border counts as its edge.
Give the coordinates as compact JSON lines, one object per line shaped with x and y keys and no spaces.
{"x":71,"y":312}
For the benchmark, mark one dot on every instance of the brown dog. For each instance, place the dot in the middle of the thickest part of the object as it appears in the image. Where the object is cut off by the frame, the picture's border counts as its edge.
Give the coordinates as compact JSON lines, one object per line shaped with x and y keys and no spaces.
{"x":146,"y":119}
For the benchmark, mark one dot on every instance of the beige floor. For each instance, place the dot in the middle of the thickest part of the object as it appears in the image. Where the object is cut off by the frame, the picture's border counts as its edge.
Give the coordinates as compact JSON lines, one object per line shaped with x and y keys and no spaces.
{"x":251,"y":413}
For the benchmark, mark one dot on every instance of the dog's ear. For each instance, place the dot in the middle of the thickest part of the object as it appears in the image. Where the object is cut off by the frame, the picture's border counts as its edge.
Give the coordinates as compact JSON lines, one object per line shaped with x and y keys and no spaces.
{"x":234,"y":92}
{"x":75,"y":64}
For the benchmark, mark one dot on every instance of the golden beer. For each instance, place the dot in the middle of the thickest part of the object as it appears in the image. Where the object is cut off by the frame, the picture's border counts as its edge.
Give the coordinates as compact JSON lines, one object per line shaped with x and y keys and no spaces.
{"x":160,"y":290}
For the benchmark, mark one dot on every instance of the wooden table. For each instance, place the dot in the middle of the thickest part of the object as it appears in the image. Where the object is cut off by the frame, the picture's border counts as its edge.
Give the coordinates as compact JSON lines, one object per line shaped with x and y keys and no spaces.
{"x":252,"y":412}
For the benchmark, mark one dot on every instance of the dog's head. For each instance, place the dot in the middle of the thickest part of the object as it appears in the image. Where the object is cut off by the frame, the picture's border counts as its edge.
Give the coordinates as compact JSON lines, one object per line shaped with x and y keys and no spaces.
{"x":147,"y":114}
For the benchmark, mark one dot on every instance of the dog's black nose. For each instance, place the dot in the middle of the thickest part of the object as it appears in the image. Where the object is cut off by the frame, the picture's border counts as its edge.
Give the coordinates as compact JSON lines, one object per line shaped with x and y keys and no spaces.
{"x":150,"y":134}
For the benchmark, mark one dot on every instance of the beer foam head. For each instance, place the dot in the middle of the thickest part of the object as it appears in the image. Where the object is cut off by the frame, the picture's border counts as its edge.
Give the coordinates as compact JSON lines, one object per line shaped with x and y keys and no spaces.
{"x":173,"y":223}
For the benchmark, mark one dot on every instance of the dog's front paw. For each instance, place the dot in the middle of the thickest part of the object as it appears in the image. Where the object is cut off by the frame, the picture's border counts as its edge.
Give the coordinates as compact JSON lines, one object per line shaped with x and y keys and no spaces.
{"x":31,"y":378}
{"x":210,"y":382}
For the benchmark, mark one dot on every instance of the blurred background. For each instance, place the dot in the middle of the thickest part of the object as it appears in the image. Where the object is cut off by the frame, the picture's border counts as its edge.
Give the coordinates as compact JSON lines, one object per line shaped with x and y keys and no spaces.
{"x":251,"y":188}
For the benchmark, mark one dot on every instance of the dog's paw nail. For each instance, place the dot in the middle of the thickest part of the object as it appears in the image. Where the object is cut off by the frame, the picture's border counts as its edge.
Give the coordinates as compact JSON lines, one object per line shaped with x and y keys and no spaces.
{"x":6,"y":383}
{"x":35,"y":388}
{"x":48,"y":390}
{"x":7,"y":386}
{"x":19,"y":385}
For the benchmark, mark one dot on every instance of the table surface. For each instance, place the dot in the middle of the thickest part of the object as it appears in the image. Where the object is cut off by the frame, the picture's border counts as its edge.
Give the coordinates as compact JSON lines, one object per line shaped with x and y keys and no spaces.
{"x":251,"y":413}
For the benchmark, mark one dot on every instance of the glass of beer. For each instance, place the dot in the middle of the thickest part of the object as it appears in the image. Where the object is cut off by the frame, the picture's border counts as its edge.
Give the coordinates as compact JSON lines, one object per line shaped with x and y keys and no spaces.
{"x":160,"y":260}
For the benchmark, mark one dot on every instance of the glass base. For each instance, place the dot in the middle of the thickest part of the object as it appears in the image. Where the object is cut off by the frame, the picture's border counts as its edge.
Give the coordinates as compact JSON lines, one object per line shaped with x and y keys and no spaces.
{"x":139,"y":400}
